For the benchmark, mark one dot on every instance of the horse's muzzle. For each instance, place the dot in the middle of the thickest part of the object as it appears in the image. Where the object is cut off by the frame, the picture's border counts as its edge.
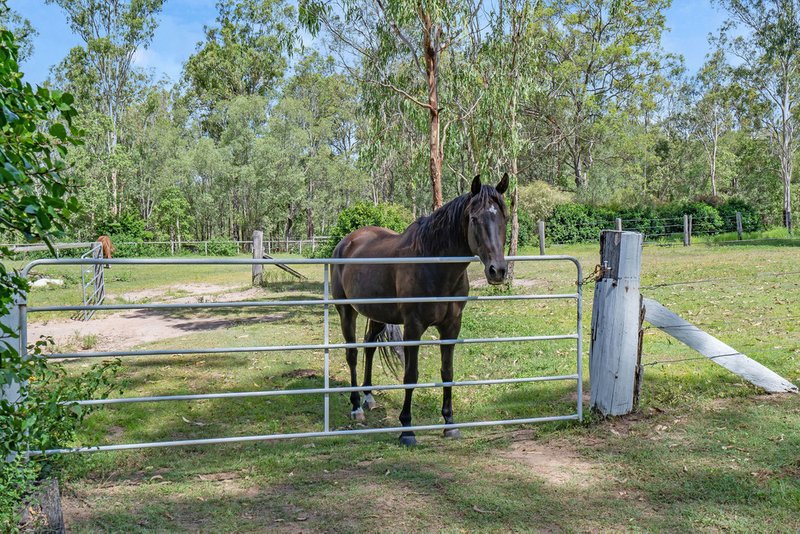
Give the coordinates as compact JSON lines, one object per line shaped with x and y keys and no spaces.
{"x":496,"y":273}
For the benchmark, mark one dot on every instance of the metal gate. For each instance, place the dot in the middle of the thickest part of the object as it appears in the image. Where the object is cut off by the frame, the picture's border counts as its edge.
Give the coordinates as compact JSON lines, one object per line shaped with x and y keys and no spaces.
{"x":93,"y":283}
{"x":326,"y":302}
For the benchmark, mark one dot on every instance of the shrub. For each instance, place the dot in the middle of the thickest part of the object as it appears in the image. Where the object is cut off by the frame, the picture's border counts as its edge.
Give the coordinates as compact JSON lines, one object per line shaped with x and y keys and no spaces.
{"x":130,"y":224}
{"x":42,"y":419}
{"x":389,"y":216}
{"x":538,"y":199}
{"x":576,"y":223}
{"x":222,"y":247}
{"x":751,"y":220}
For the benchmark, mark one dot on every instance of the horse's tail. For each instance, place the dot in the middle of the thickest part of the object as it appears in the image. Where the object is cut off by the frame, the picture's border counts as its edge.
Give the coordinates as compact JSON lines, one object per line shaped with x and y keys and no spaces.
{"x":391,"y":356}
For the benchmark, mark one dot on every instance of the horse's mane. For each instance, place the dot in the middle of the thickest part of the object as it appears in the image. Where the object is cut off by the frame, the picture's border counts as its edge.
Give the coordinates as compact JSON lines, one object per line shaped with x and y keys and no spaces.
{"x":444,"y":231}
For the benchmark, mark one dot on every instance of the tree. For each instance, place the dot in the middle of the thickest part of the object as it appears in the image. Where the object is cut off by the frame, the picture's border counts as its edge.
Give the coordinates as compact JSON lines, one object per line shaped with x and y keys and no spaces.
{"x":711,"y":115}
{"x":318,"y":108}
{"x":770,"y":56}
{"x":171,"y":213}
{"x":102,"y":70}
{"x":22,"y":29}
{"x":244,"y":54}
{"x":377,"y":39}
{"x":36,"y":133}
{"x":518,"y":60}
{"x":601,"y":56}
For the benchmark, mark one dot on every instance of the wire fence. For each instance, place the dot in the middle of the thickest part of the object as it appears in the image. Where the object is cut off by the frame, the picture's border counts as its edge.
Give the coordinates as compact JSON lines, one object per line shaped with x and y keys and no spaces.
{"x":659,"y":231}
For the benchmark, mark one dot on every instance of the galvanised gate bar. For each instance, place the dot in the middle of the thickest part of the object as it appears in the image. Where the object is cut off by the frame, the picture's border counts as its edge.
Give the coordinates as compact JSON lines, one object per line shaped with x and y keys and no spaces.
{"x":326,"y":302}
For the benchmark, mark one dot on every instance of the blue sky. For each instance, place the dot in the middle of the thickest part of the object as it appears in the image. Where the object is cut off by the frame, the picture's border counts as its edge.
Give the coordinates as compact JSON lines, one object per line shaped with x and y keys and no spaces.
{"x":181,"y":27}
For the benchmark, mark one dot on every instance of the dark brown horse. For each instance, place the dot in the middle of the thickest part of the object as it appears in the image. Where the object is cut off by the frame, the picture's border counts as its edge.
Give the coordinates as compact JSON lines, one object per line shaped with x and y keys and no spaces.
{"x":473,"y":224}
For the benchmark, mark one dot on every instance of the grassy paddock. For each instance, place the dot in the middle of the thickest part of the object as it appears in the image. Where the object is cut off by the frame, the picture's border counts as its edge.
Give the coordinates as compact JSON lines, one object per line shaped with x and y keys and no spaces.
{"x":705,"y":452}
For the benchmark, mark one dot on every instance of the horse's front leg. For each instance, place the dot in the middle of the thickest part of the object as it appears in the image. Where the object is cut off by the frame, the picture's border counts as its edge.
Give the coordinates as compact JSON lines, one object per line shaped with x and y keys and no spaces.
{"x":411,"y":332}
{"x":449,"y":331}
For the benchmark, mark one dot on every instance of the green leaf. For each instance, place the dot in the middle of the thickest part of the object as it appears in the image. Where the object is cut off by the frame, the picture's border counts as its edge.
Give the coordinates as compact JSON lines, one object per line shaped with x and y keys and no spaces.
{"x":58,"y":130}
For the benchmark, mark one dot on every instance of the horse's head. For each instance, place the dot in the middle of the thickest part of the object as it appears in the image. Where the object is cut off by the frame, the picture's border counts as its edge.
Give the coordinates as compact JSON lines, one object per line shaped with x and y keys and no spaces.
{"x":486,"y":227}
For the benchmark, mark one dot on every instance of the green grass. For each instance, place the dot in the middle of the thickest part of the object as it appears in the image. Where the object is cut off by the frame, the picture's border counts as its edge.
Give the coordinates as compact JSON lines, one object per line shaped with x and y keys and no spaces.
{"x":705,"y":452}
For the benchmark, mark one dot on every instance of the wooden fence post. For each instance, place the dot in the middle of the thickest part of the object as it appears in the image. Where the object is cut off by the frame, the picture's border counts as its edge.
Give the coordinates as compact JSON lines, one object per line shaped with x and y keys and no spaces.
{"x":685,"y":230}
{"x":739,"y":224}
{"x":13,"y":319}
{"x":617,"y":314}
{"x":540,"y":228}
{"x":258,"y":254}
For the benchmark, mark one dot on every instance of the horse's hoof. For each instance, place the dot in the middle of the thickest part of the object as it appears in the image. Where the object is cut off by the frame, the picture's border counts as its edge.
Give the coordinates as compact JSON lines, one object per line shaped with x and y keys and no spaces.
{"x":369,"y":402}
{"x":452,"y":433}
{"x":408,"y":441}
{"x":358,"y":415}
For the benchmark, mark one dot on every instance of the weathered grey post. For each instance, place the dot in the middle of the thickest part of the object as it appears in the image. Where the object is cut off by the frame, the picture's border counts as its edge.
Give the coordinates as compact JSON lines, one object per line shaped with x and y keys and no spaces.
{"x":618,"y":224}
{"x":13,"y":319}
{"x":685,"y":230}
{"x":739,"y":224}
{"x":540,"y":228}
{"x":617,"y":314}
{"x":258,"y":254}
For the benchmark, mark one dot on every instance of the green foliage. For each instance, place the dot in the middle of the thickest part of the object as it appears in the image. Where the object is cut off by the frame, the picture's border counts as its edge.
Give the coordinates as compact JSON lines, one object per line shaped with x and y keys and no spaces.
{"x":36,"y":133}
{"x":128,"y":226}
{"x":244,"y":54}
{"x":42,"y":418}
{"x":389,"y":216}
{"x":751,"y":220}
{"x":17,"y":477}
{"x":538,"y":199}
{"x":222,"y":247}
{"x":577,"y":223}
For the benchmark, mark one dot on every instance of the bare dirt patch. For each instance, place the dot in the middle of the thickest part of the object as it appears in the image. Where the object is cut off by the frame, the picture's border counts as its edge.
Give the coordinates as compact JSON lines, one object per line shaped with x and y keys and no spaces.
{"x":557,"y":463}
{"x":126,"y":330}
{"x":183,"y":293}
{"x":131,"y":328}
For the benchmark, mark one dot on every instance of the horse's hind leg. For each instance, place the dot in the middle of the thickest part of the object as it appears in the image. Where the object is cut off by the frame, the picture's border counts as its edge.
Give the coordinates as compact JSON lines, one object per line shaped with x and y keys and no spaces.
{"x":449,"y":331}
{"x":348,"y":317}
{"x":374,"y":329}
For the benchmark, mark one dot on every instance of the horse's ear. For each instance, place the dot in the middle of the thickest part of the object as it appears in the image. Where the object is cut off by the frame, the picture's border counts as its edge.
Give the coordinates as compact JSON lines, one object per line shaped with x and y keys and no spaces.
{"x":476,"y":185}
{"x":503,"y":185}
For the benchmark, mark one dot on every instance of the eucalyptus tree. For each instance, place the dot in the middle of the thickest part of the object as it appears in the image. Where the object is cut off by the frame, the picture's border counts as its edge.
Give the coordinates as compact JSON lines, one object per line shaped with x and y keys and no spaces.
{"x":398,"y":46}
{"x":515,"y":50}
{"x":22,"y":29}
{"x":245,"y":53}
{"x":601,"y":56}
{"x":712,"y":115}
{"x":319,"y":104}
{"x":112,"y":31}
{"x":769,"y":52}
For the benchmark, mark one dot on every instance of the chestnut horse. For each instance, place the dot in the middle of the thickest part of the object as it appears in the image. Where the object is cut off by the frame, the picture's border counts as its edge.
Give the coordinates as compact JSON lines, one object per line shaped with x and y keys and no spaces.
{"x":473,"y":224}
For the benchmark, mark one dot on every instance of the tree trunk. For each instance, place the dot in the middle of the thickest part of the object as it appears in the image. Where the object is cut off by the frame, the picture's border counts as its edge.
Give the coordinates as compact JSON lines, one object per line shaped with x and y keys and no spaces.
{"x":114,"y":193}
{"x":310,"y":222}
{"x":714,"y":167}
{"x":787,"y":152}
{"x":513,"y":246}
{"x":577,"y":164}
{"x":432,"y":71}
